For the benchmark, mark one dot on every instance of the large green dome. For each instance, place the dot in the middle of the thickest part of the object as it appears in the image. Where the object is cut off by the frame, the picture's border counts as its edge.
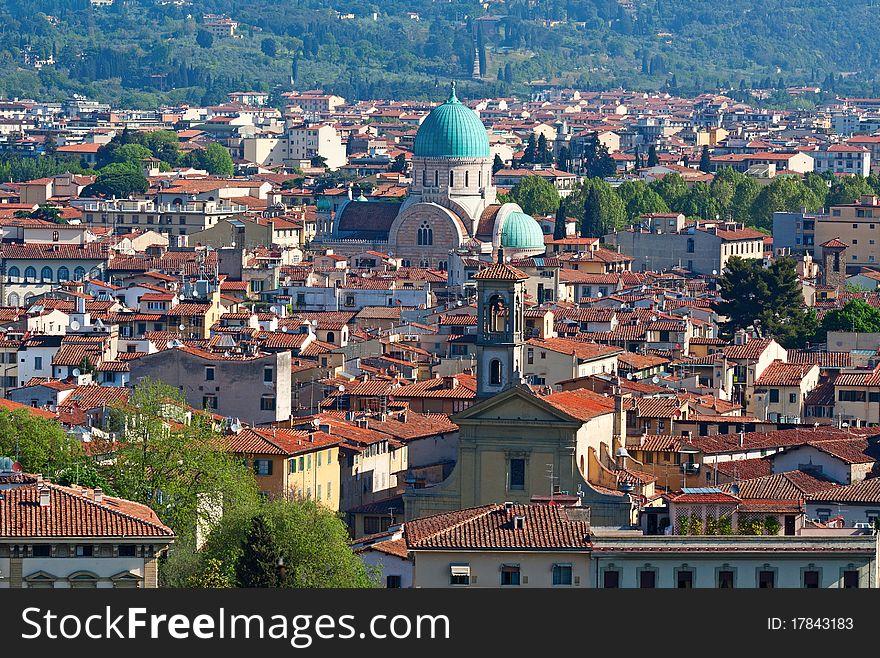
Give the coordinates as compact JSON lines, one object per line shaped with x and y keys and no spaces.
{"x":452,"y":130}
{"x":520,"y":231}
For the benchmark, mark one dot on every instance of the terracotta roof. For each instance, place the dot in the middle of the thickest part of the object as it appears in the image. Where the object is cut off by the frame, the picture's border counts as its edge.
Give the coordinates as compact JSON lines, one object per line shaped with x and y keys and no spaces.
{"x":780,"y":373}
{"x":581,"y":403}
{"x":866,"y":491}
{"x":71,"y":514}
{"x":749,"y":350}
{"x":792,"y":485}
{"x":579,"y":349}
{"x":440,"y":387}
{"x":545,"y":527}
{"x":743,"y":468}
{"x":501,"y":272}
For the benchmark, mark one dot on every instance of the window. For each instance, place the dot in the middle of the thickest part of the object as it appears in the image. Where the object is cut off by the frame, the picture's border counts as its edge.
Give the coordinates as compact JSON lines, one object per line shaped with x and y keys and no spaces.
{"x":495,"y":372}
{"x":319,"y":460}
{"x":851,"y":396}
{"x":850,"y":579}
{"x":774,"y":395}
{"x":792,"y":398}
{"x":85,"y":550}
{"x":517,"y":474}
{"x":267,"y":375}
{"x":451,"y":178}
{"x":611,"y":579}
{"x":690,"y":245}
{"x":14,"y":274}
{"x":42,"y":550}
{"x":725,"y":579}
{"x":648,"y":579}
{"x":375,"y":524}
{"x":126,"y":550}
{"x":38,"y":363}
{"x":291,"y":467}
{"x":684,"y":579}
{"x":562,"y":574}
{"x":811,"y":579}
{"x":209,"y":402}
{"x":262,"y":467}
{"x":301,"y":463}
{"x":79,"y":274}
{"x":209,"y":373}
{"x":766,"y":579}
{"x":509,"y":574}
{"x":530,"y":355}
{"x":267,"y":403}
{"x":30,"y":274}
{"x":318,"y":497}
{"x":425,"y":234}
{"x":459,"y":574}
{"x":392,"y":582}
{"x":63,"y":274}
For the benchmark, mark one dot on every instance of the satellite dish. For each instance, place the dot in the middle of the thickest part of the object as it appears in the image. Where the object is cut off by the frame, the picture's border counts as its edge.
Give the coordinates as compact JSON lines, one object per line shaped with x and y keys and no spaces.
{"x":74,"y":325}
{"x":599,"y":294}
{"x":734,"y":489}
{"x":629,"y":376}
{"x":341,"y":388}
{"x":316,"y":422}
{"x":75,"y":372}
{"x":181,"y":327}
{"x":507,"y":259}
{"x":284,"y":330}
{"x":655,"y":379}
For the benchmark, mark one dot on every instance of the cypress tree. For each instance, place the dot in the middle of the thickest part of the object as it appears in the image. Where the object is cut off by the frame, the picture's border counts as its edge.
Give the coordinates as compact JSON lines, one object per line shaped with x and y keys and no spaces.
{"x":257,"y":566}
{"x":591,"y":224}
{"x":559,"y":226}
{"x":705,"y":162}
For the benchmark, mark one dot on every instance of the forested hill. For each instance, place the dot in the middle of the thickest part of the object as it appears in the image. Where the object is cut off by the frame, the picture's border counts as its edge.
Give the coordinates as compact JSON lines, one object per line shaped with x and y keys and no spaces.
{"x":142,"y":52}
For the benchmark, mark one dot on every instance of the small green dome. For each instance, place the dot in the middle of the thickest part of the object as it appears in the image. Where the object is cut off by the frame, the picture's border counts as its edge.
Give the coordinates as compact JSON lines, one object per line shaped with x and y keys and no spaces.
{"x":324,"y":204}
{"x":520,"y":231}
{"x":452,"y":130}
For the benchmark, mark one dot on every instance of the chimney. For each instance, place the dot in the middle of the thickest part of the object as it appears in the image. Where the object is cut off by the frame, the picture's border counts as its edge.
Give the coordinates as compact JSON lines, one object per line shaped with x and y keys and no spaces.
{"x":45,"y":496}
{"x":99,"y":495}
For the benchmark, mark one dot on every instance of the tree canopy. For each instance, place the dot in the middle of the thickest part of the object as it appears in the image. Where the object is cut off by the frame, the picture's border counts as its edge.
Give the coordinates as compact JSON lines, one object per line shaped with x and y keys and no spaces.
{"x":535,"y":195}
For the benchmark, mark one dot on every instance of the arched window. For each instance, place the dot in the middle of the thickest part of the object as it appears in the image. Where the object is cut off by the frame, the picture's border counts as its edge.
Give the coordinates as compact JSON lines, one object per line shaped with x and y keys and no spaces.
{"x":451,"y":178}
{"x":436,"y":178}
{"x":63,"y":274}
{"x":13,"y":299}
{"x":425,"y":177}
{"x":331,"y":337}
{"x":467,"y":176}
{"x":79,"y":274}
{"x":425,"y":234}
{"x":14,"y":275}
{"x":28,"y":298}
{"x":442,"y":266}
{"x":30,"y":274}
{"x":55,"y":236}
{"x":495,"y":315}
{"x":46,"y":274}
{"x":480,"y":178}
{"x":495,"y":372}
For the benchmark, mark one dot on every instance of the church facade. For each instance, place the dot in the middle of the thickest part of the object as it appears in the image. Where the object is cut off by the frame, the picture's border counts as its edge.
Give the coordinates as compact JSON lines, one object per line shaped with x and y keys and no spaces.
{"x":452,"y":203}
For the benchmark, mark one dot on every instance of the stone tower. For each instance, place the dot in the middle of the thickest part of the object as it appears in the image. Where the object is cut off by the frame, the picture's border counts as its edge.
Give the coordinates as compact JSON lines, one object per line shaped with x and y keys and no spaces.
{"x":500,"y":322}
{"x":834,"y":263}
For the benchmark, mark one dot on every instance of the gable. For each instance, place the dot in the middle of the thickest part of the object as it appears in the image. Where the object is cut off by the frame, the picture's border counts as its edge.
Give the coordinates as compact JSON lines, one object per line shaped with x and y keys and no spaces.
{"x":514,"y":404}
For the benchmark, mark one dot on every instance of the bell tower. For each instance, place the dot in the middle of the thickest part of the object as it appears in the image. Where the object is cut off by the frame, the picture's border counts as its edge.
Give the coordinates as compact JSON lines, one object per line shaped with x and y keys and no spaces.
{"x":500,"y":323}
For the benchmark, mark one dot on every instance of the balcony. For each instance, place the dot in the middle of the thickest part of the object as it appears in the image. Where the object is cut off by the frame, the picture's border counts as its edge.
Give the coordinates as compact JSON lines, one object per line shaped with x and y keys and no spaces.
{"x":690,"y":469}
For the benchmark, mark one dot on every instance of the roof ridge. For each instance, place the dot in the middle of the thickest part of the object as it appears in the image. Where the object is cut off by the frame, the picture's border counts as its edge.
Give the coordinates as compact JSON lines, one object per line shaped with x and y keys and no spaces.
{"x":69,"y":492}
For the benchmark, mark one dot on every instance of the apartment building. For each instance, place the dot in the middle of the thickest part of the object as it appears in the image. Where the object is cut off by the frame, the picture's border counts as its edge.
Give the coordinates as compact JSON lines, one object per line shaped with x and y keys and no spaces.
{"x":127,"y":215}
{"x":843,"y":159}
{"x":853,"y":224}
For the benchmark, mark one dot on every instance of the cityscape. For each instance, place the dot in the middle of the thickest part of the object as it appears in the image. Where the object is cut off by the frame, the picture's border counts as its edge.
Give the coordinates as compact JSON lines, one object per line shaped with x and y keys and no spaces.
{"x":474,"y":331}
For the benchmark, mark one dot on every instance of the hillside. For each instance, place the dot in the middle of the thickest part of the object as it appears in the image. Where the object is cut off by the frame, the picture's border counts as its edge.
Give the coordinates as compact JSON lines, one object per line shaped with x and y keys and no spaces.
{"x":142,"y":52}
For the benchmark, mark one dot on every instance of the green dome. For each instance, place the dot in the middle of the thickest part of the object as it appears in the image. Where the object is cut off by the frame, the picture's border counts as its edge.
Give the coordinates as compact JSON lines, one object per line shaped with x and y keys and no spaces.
{"x":452,"y":130}
{"x":324,"y":204}
{"x":520,"y":231}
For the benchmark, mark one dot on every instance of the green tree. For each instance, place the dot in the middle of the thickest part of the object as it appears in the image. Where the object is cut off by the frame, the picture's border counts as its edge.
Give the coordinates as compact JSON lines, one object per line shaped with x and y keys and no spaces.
{"x":785,"y":193}
{"x":132,"y":154}
{"x":205,"y":39}
{"x":258,"y":562}
{"x":559,"y":226}
{"x":856,"y":315}
{"x":653,"y":160}
{"x":611,"y":209}
{"x":311,"y":540}
{"x":39,"y":443}
{"x":535,"y":195}
{"x":45,"y":212}
{"x":705,"y":160}
{"x":121,"y":185}
{"x":173,"y":459}
{"x":215,"y":159}
{"x":269,"y":47}
{"x":744,"y":195}
{"x":163,"y":144}
{"x":591,"y":224}
{"x":672,"y":189}
{"x":640,"y":199}
{"x":212,"y":576}
{"x":598,"y":163}
{"x":564,"y":159}
{"x":542,"y":152}
{"x":847,"y":189}
{"x":497,"y":164}
{"x":769,"y":298}
{"x":530,"y":151}
{"x":399,"y":163}
{"x":699,"y":202}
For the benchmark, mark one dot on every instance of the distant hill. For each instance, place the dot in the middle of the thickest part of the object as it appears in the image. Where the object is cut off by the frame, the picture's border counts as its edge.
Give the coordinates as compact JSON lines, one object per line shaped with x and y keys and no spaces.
{"x":142,"y":52}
